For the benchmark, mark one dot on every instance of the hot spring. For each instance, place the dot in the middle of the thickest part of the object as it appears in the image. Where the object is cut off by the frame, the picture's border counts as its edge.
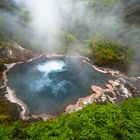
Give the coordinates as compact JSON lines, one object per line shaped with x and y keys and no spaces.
{"x":49,"y":85}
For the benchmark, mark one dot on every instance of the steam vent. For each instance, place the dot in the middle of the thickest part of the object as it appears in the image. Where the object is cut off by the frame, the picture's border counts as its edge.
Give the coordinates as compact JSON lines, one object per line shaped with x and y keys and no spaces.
{"x":49,"y":85}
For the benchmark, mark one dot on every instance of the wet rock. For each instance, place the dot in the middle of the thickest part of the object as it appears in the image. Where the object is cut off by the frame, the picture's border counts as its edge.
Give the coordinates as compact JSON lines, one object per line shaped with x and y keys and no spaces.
{"x":86,"y":100}
{"x":115,"y":92}
{"x":43,"y":117}
{"x":97,"y":90}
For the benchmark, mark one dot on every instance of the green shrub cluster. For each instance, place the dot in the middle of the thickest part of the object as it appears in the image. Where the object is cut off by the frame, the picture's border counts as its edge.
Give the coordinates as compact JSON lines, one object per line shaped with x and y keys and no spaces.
{"x":114,"y":53}
{"x":96,"y":122}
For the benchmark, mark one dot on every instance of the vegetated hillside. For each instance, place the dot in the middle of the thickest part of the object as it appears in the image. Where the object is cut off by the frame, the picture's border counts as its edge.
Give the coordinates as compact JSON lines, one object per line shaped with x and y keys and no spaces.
{"x":105,"y":122}
{"x":112,"y":54}
{"x":11,"y":52}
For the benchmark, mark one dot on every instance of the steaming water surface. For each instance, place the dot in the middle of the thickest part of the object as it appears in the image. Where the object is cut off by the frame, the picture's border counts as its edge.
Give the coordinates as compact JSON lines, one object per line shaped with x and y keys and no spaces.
{"x":48,"y":85}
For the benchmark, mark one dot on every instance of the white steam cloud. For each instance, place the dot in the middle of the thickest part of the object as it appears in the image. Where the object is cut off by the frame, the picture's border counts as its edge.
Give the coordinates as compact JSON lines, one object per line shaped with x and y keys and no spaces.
{"x":47,"y":22}
{"x":45,"y":15}
{"x":80,"y":18}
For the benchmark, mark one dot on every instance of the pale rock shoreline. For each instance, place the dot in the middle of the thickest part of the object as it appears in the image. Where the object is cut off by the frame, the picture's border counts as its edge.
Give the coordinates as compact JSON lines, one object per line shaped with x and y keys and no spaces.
{"x":115,"y":91}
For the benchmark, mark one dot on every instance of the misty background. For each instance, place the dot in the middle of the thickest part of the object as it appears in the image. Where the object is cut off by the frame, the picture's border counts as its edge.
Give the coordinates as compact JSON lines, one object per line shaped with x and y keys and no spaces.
{"x":48,"y":25}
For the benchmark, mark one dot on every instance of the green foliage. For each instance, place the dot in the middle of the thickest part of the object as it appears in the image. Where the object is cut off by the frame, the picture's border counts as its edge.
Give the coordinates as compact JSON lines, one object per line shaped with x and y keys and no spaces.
{"x":96,"y":122}
{"x":3,"y":118}
{"x":8,"y":112}
{"x":5,"y":44}
{"x":24,"y":17}
{"x":14,"y":20}
{"x":68,"y":37}
{"x":108,"y":52}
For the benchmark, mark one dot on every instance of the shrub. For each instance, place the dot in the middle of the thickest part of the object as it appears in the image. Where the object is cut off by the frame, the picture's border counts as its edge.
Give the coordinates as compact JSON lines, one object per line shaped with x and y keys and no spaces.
{"x":97,"y":122}
{"x":113,"y":54}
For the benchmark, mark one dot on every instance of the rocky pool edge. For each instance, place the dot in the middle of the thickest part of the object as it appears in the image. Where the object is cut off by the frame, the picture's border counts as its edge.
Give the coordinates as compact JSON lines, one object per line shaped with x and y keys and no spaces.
{"x":122,"y":87}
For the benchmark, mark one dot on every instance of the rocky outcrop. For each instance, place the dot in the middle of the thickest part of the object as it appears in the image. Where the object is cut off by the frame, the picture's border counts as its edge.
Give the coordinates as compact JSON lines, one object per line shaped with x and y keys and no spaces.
{"x":115,"y":92}
{"x":12,"y":52}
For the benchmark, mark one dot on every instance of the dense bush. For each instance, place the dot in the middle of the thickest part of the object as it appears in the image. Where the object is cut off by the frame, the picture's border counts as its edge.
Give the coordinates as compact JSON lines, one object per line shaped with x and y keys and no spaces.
{"x":99,"y":122}
{"x":108,"y":53}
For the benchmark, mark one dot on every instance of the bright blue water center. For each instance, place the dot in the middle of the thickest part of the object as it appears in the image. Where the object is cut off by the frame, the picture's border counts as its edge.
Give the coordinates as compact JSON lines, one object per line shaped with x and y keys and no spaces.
{"x":48,"y":85}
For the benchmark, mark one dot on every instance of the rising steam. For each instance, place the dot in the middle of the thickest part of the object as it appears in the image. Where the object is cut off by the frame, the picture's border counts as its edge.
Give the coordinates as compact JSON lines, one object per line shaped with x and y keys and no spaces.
{"x":48,"y":18}
{"x":52,"y":66}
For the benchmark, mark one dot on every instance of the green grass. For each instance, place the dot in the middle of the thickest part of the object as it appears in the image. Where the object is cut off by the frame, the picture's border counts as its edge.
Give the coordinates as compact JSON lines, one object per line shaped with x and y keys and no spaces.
{"x":95,"y":122}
